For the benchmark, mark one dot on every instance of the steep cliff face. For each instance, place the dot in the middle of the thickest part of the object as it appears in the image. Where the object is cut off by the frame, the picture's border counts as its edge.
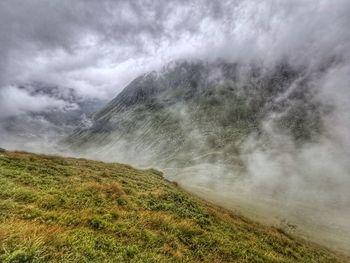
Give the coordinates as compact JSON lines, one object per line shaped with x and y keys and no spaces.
{"x":191,"y":112}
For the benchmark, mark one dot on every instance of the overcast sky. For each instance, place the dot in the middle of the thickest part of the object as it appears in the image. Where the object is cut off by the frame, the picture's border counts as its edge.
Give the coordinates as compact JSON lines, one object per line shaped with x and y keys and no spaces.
{"x":97,"y":46}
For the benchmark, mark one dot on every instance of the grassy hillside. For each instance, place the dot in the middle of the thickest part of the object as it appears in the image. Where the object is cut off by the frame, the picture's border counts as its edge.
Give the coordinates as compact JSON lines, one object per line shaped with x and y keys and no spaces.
{"x":57,"y":209}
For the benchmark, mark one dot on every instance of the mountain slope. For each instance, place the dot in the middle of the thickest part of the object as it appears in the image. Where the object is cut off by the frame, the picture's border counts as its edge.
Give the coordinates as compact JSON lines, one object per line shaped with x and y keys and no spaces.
{"x":197,"y":112}
{"x":56,"y":209}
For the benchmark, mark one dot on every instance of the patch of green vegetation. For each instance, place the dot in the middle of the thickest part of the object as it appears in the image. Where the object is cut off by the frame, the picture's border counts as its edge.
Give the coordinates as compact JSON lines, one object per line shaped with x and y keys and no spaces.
{"x":57,"y":209}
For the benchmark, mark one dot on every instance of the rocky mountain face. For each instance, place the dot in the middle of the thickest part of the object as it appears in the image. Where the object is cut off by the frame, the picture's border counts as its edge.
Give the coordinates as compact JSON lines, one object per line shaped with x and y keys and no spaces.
{"x":195,"y":112}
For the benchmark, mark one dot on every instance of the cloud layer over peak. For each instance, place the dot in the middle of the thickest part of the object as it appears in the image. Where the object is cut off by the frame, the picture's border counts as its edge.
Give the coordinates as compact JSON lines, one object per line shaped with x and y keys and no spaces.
{"x":97,"y":47}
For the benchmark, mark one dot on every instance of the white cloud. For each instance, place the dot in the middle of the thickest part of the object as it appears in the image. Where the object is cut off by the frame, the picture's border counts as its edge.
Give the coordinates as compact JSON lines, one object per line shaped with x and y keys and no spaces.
{"x":16,"y":101}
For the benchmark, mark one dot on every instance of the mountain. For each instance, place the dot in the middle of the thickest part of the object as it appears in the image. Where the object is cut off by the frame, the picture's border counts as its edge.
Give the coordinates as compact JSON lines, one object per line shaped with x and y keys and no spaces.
{"x":200,"y":112}
{"x":56,"y":209}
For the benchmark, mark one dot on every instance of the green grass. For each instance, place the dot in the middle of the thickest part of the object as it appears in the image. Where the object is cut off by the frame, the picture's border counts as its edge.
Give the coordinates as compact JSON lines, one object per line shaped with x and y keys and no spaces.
{"x":55,"y":209}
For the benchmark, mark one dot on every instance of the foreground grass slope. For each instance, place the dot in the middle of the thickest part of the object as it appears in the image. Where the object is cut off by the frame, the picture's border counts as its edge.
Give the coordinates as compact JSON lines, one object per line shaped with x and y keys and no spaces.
{"x":57,"y":209}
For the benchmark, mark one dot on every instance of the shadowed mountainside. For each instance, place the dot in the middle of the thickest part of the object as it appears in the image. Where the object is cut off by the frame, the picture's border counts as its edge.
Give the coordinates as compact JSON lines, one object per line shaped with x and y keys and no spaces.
{"x":196,"y":112}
